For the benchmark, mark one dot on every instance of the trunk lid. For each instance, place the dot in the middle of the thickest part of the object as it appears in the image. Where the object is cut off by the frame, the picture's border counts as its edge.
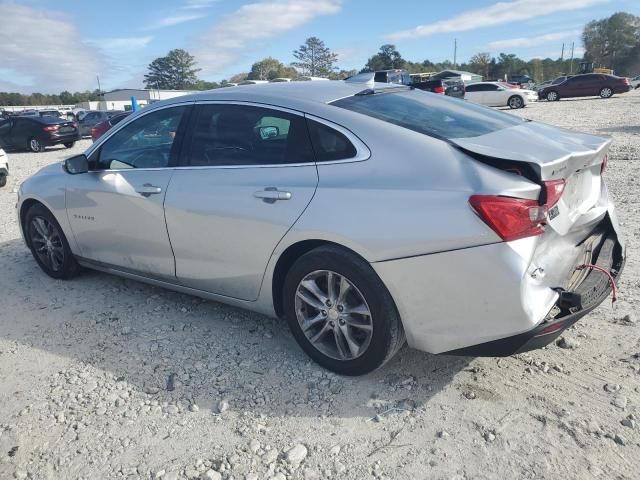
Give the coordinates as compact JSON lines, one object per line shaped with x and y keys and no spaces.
{"x":545,"y":154}
{"x":554,"y":153}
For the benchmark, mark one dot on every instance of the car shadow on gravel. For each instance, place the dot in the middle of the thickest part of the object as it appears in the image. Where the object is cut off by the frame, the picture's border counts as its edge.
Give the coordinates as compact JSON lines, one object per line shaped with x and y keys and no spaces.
{"x":177,"y":348}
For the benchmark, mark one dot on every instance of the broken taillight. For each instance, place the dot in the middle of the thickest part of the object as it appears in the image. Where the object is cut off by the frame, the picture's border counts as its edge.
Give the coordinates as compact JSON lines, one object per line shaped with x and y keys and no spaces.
{"x":553,"y":191}
{"x":511,"y":218}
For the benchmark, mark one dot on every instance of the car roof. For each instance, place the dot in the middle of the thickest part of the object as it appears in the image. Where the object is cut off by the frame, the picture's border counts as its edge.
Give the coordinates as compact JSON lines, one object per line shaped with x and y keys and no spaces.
{"x":291,"y":94}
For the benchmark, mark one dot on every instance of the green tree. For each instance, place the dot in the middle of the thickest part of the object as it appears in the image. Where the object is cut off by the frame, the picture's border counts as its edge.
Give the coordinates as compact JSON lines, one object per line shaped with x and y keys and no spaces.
{"x":314,"y":58}
{"x":613,"y":42}
{"x":479,"y":63}
{"x":176,"y":71}
{"x":270,"y":68}
{"x":386,"y":58}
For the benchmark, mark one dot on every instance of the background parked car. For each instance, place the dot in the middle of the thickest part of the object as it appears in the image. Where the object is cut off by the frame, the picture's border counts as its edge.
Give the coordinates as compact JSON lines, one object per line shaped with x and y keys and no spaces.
{"x":36,"y":133}
{"x":587,"y":85}
{"x":635,"y":82}
{"x":4,"y":168}
{"x":50,"y":113}
{"x":493,"y":94}
{"x":102,"y":127}
{"x":92,"y":118}
{"x":450,"y":86}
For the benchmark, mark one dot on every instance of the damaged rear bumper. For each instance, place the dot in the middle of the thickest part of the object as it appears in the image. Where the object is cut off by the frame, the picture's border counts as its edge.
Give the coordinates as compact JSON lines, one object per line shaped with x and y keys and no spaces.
{"x":571,"y":307}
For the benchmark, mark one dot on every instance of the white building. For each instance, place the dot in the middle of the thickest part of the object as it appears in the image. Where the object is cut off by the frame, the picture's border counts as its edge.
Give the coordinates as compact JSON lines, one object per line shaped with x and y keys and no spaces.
{"x":120,"y":99}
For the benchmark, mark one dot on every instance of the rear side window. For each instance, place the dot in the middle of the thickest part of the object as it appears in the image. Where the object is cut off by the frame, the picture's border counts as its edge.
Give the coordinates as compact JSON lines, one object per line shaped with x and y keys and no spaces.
{"x":227,"y":135}
{"x":329,"y":144}
{"x":430,"y":114}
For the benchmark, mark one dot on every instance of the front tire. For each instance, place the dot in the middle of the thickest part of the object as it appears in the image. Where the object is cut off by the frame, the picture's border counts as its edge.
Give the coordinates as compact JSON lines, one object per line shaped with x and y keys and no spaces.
{"x":552,"y":96}
{"x":340,"y":312}
{"x":34,"y":145}
{"x":3,"y":180}
{"x":48,"y":244}
{"x":606,"y":92}
{"x":515,"y":101}
{"x":69,"y":144}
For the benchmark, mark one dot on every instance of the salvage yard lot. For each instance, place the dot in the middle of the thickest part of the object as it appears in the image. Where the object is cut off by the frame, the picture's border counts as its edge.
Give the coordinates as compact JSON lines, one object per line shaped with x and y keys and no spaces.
{"x":102,"y":377}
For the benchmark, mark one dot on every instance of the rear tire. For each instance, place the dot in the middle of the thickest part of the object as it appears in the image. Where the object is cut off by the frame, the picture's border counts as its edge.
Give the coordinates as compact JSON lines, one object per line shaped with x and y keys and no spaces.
{"x":552,"y":96}
{"x":359,"y":329}
{"x":34,"y":145}
{"x":606,"y":92}
{"x":515,"y":101}
{"x":48,"y":244}
{"x":3,"y":180}
{"x":69,"y":144}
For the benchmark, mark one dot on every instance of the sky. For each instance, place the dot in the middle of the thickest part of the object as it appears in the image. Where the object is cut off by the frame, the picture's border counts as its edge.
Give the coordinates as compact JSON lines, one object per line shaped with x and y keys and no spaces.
{"x":48,"y":46}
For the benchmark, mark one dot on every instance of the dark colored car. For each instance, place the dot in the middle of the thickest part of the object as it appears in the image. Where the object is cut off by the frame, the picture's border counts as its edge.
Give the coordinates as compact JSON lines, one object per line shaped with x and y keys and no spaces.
{"x":521,"y":80}
{"x":101,"y":128}
{"x":36,"y":133}
{"x":92,"y":118}
{"x":587,"y":85}
{"x":448,"y":86}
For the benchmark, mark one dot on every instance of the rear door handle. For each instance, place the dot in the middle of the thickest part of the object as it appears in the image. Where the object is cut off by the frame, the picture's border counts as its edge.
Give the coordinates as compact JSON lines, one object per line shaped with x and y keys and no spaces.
{"x":148,"y":189}
{"x":272,"y":194}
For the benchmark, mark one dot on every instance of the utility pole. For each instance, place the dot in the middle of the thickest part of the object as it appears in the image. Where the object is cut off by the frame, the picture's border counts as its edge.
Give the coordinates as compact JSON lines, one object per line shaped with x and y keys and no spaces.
{"x":99,"y":88}
{"x":571,"y":65}
{"x":562,"y":54}
{"x":455,"y":51}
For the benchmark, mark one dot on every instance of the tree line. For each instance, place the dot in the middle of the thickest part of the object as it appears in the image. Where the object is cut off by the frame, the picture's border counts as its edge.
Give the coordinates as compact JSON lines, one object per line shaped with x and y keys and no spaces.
{"x":612,"y":42}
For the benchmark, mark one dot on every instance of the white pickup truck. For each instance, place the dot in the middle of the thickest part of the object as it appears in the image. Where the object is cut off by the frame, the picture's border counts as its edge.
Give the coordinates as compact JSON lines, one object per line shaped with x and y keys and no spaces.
{"x":4,"y":168}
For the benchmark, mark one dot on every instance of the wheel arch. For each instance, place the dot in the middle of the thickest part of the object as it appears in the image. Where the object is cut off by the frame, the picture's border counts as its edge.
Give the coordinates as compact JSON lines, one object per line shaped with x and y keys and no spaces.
{"x":286,"y":260}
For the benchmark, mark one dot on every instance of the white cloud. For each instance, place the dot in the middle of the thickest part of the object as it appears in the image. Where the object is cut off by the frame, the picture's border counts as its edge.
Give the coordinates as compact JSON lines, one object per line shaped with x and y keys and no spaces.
{"x":173,"y":20}
{"x":532,"y":41}
{"x":122,"y":43}
{"x":46,"y":48}
{"x":496,"y":14}
{"x":241,"y":30}
{"x":197,"y":4}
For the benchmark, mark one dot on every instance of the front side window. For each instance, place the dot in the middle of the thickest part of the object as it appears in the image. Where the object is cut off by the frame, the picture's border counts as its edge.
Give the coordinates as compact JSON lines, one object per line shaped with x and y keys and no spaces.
{"x":147,"y":142}
{"x":430,"y":114}
{"x":228,"y":135}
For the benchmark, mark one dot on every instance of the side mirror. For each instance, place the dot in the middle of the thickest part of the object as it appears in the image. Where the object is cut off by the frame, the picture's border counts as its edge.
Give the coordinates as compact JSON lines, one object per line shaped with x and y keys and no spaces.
{"x":77,"y":164}
{"x":268,"y":132}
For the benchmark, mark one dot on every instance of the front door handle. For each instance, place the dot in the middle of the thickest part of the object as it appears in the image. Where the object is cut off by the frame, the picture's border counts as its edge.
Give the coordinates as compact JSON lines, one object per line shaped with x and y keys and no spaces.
{"x":148,"y":189}
{"x":272,"y":194}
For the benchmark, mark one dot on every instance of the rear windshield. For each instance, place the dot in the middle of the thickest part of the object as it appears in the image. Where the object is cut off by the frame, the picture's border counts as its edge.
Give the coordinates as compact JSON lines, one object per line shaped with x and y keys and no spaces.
{"x":431,"y":114}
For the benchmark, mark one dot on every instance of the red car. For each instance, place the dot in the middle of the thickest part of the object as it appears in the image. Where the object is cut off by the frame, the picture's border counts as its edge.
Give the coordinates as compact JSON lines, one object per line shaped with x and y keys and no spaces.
{"x":587,"y":85}
{"x":98,"y":130}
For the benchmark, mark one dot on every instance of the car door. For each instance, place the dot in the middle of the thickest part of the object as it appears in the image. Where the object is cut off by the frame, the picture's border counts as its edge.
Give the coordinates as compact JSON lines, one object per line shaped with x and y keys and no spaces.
{"x":248,"y":172}
{"x":494,"y":95}
{"x":5,"y":132}
{"x":116,"y":209}
{"x":474,"y":93}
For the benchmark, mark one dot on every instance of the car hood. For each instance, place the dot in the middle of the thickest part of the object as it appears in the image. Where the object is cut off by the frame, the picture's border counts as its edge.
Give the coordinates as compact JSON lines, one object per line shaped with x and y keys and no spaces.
{"x":553,"y":152}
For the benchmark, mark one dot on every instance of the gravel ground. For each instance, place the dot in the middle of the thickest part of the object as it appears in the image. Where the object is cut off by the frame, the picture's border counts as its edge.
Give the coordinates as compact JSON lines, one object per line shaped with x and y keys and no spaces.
{"x":102,"y":377}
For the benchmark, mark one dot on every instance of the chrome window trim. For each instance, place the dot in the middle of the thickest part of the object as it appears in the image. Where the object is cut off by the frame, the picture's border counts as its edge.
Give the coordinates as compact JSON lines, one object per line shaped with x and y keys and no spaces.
{"x":362,"y":151}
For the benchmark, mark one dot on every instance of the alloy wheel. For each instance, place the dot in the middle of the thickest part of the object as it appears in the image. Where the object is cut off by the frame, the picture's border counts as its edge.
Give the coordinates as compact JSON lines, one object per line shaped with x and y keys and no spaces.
{"x":47,"y":243}
{"x":552,"y":96}
{"x":515,"y":102}
{"x":34,"y":145}
{"x":333,"y":315}
{"x":606,"y":92}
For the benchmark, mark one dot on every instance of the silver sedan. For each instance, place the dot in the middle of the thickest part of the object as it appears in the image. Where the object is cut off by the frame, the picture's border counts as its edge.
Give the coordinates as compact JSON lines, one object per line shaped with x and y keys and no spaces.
{"x":367,"y":215}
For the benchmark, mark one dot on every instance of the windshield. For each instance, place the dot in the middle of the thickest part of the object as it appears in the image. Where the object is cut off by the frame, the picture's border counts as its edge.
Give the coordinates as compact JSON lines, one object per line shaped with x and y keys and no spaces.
{"x":430,"y":114}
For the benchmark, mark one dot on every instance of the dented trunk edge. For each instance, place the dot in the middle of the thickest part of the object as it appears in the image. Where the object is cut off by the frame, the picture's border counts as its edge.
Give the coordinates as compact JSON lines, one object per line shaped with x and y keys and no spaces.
{"x":594,"y":289}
